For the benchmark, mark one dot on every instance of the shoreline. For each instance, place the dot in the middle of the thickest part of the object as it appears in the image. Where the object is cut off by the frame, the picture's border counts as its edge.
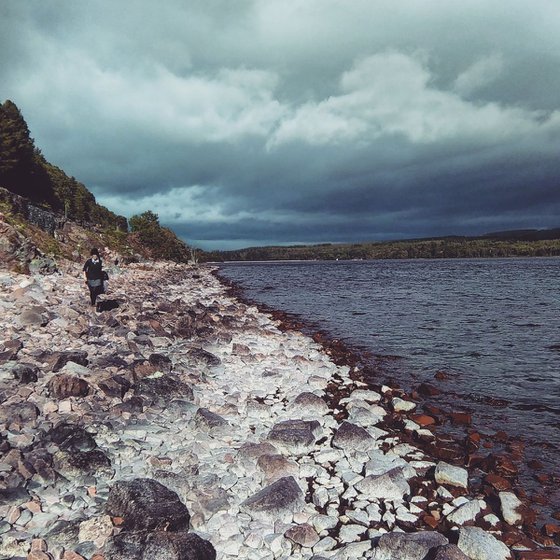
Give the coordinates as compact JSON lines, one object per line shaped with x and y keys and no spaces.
{"x":465,"y":448}
{"x":272,"y":446}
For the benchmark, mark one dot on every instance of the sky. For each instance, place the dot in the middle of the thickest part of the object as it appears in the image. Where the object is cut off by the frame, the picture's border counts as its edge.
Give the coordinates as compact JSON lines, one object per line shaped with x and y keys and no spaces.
{"x":258,"y":122}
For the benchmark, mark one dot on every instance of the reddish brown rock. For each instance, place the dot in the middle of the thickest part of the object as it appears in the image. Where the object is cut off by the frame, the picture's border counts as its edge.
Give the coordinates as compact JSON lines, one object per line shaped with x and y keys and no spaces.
{"x":428,"y":390}
{"x":539,"y":555}
{"x":498,"y":482}
{"x":63,"y":386}
{"x":462,"y":418}
{"x":423,"y":419}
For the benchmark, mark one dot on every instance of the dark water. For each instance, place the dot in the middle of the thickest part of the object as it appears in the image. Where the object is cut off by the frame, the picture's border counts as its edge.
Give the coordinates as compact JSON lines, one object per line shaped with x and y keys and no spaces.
{"x":494,"y":325}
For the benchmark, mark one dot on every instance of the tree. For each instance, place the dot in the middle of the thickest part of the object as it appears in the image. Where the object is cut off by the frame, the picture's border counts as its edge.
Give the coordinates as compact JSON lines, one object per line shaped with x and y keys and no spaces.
{"x":16,"y":150}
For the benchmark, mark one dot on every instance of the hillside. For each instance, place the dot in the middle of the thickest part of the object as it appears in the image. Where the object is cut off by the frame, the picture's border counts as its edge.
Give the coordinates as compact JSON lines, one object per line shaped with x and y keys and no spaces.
{"x":46,"y":213}
{"x":524,"y":243}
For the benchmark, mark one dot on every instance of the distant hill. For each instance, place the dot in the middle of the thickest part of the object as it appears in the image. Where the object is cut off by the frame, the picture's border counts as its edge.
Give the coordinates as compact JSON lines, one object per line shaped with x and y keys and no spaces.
{"x":59,"y":214}
{"x":518,"y":243}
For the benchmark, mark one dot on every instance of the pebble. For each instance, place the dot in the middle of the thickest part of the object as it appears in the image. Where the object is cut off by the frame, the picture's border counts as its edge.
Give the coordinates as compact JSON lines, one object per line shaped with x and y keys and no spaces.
{"x":254,"y":378}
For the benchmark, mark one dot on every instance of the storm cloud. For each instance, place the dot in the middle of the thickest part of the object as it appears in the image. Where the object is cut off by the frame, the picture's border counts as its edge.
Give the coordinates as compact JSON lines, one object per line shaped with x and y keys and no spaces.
{"x":282,"y":121}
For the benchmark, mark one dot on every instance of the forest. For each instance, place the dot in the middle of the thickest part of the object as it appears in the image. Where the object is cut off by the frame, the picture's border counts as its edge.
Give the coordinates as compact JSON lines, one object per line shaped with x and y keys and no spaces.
{"x":525,"y":243}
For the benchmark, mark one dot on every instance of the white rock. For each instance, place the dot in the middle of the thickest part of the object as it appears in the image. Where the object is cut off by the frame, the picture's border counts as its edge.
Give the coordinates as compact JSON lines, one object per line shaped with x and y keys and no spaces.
{"x":477,"y":544}
{"x":365,"y":395}
{"x":492,"y":520}
{"x":351,"y":533}
{"x":359,"y":517}
{"x":328,"y":543}
{"x":510,"y":504}
{"x":400,"y":405}
{"x":451,"y":475}
{"x":464,"y":513}
{"x":322,"y":522}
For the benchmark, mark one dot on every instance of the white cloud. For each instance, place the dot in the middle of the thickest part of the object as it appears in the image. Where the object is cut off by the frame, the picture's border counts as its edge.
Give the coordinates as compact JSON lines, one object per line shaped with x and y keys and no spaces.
{"x":392,"y":93}
{"x":482,"y":73}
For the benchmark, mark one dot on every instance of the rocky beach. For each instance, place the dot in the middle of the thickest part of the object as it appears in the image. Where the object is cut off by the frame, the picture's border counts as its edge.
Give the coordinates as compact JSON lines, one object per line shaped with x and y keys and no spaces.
{"x":180,"y":423}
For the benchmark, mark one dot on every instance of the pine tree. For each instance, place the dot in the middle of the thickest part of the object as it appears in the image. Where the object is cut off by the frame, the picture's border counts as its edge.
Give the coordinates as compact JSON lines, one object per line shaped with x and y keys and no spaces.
{"x":16,"y":150}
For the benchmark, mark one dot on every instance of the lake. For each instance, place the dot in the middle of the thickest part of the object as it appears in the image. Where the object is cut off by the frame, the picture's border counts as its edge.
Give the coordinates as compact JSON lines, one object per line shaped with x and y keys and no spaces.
{"x":493,"y":325}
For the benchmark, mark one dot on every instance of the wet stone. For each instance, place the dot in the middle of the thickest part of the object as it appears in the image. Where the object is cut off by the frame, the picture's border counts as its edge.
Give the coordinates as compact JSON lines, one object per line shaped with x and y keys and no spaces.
{"x":145,"y":504}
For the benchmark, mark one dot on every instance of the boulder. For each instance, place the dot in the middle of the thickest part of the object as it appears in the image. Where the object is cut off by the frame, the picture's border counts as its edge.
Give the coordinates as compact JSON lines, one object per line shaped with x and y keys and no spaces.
{"x":350,"y":437}
{"x":63,"y":386}
{"x":277,"y":466}
{"x":310,"y":404}
{"x":161,"y":389}
{"x":160,"y":545}
{"x":208,"y":420}
{"x":408,"y":546}
{"x":24,"y":373}
{"x":57,"y":360}
{"x":147,"y":505}
{"x":477,"y":544}
{"x":464,"y":513}
{"x":510,"y":504}
{"x":451,"y":475}
{"x":32,"y":318}
{"x":304,"y":535}
{"x":391,"y":485}
{"x":16,"y":251}
{"x":450,"y":552}
{"x":276,"y":501}
{"x":201,"y":356}
{"x":295,"y":437}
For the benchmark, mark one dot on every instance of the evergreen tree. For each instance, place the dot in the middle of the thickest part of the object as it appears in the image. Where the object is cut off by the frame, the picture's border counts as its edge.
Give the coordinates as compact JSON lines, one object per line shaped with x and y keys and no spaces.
{"x":16,"y":151}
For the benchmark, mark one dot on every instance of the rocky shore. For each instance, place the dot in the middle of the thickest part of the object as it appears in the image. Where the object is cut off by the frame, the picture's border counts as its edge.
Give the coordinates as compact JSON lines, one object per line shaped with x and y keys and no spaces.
{"x":180,"y":423}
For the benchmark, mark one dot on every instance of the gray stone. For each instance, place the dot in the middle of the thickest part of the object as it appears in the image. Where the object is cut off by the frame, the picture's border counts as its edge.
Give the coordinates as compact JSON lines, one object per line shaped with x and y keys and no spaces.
{"x":465,"y":513}
{"x":294,"y":436}
{"x":24,"y":373}
{"x":510,"y":504}
{"x":162,"y":389}
{"x":451,"y":475}
{"x":477,"y":544}
{"x":391,"y":485}
{"x":162,"y":545}
{"x":408,"y":546}
{"x":350,"y":437}
{"x":208,"y":420}
{"x":304,"y":535}
{"x":145,"y":504}
{"x":277,"y":466}
{"x":450,"y":552}
{"x":255,"y":450}
{"x":276,"y":500}
{"x":200,"y":355}
{"x":310,"y":404}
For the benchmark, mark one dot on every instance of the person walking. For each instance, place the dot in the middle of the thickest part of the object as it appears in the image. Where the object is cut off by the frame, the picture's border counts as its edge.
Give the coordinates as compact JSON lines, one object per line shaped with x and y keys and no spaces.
{"x":93,"y":271}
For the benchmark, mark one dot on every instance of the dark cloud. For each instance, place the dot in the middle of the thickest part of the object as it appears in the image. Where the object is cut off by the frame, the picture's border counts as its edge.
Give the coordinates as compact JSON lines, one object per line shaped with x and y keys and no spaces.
{"x":279,"y":121}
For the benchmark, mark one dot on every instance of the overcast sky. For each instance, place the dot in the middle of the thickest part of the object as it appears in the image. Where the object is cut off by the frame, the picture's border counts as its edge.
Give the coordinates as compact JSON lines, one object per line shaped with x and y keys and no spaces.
{"x":253,"y":122}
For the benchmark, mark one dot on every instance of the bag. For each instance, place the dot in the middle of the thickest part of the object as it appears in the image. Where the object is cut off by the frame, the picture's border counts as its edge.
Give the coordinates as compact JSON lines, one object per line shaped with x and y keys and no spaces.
{"x":105,"y":282}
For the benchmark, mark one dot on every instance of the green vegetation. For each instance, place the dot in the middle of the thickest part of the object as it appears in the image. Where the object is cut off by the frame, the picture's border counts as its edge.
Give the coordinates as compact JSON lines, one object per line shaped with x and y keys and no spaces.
{"x":160,"y":241}
{"x":529,"y":243}
{"x":24,"y":171}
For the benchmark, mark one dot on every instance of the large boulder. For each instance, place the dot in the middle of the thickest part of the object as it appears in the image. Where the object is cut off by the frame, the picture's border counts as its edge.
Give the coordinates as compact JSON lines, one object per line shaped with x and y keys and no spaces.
{"x":160,"y":545}
{"x":295,"y":437}
{"x":477,"y":544}
{"x":147,"y":505}
{"x":162,"y":388}
{"x":63,"y":386}
{"x":350,"y":437}
{"x":408,"y":546}
{"x":16,"y":251}
{"x":391,"y":485}
{"x":276,"y":501}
